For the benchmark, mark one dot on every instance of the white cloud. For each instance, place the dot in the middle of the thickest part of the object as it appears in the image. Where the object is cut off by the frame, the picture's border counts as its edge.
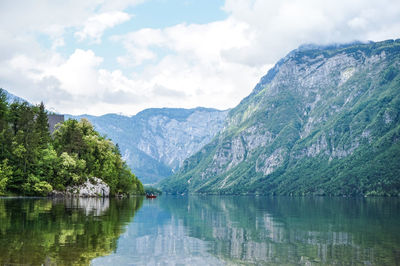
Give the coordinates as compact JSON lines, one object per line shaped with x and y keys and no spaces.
{"x":53,"y":17}
{"x":138,"y":45}
{"x":214,"y":64}
{"x":217,"y":64}
{"x":201,"y":41}
{"x":280,"y":26}
{"x":194,"y":71}
{"x":113,"y":5}
{"x":78,"y":75}
{"x":22,"y":20}
{"x":96,"y":25}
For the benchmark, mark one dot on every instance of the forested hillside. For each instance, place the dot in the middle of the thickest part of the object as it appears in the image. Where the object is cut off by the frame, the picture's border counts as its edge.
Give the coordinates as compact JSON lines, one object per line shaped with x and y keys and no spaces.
{"x":34,"y":163}
{"x":325,"y":120}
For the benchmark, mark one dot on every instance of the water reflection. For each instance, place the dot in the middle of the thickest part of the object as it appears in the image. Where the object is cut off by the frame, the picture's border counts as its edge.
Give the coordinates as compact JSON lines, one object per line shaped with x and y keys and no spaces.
{"x":89,"y":206}
{"x":216,"y":230}
{"x":61,"y":231}
{"x":200,"y":230}
{"x":157,"y":238}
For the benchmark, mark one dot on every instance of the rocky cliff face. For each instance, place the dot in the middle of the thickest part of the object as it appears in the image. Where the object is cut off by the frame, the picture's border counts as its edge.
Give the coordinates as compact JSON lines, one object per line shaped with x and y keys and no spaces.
{"x":315,"y":124}
{"x":93,"y":187}
{"x":171,"y":140}
{"x":155,"y":142}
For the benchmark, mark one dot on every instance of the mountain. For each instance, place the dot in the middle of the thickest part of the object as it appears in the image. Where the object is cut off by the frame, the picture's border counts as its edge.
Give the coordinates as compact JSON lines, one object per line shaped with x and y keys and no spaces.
{"x":155,"y":141}
{"x":12,"y":98}
{"x":325,"y":120}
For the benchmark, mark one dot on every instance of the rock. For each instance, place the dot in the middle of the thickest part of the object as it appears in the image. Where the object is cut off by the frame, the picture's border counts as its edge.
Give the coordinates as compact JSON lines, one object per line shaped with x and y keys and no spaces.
{"x":93,"y":187}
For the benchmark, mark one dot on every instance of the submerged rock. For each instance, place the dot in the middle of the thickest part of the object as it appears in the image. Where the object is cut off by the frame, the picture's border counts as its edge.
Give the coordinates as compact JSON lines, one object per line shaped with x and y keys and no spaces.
{"x":93,"y":187}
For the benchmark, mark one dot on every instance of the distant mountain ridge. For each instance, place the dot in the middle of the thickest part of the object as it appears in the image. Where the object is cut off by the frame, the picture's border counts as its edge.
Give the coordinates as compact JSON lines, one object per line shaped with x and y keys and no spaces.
{"x":325,"y":120}
{"x":155,"y":141}
{"x":13,"y":98}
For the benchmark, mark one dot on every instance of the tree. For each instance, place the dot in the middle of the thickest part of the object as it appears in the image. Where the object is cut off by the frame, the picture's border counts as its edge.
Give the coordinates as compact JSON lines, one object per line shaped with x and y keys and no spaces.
{"x":68,"y":137}
{"x":42,"y":126}
{"x":5,"y":174}
{"x":33,"y":163}
{"x":5,"y":133}
{"x":3,"y":110}
{"x":25,"y":149}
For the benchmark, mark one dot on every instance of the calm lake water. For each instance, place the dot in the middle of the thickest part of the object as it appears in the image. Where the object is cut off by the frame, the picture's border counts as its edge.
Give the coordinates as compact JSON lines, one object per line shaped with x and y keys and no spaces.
{"x":200,"y":230}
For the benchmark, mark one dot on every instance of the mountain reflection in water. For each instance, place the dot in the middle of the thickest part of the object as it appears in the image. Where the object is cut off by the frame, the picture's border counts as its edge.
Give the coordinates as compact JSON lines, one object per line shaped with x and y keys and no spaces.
{"x":214,"y":230}
{"x":200,"y":230}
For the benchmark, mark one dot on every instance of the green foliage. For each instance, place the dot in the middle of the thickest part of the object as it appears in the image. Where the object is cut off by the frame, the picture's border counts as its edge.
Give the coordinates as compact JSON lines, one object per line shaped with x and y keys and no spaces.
{"x":84,"y":153}
{"x":34,"y":186}
{"x":42,"y":188}
{"x":5,"y":174}
{"x":33,"y":162}
{"x":42,"y":126}
{"x":60,"y":232}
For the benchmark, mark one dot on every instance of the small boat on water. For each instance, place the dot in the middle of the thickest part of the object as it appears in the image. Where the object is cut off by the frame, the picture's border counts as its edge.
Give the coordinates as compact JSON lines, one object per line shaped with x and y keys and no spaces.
{"x":151,"y":196}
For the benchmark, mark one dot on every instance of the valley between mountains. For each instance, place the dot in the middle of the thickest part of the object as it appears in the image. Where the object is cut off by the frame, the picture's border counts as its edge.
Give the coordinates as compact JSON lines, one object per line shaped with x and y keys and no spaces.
{"x":325,"y":120}
{"x":155,"y":142}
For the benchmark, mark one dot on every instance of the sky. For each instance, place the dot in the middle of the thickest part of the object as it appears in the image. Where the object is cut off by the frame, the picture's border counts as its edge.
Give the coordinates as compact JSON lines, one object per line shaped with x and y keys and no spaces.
{"x":123,"y":56}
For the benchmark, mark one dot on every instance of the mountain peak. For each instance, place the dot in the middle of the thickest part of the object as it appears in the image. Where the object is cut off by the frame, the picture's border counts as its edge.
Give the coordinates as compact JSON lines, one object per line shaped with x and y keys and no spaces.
{"x":323,"y":121}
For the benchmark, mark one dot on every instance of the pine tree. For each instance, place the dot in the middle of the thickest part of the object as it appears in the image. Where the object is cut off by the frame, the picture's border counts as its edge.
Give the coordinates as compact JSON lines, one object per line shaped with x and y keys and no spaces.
{"x":42,"y":126}
{"x":5,"y":134}
{"x":3,"y":110}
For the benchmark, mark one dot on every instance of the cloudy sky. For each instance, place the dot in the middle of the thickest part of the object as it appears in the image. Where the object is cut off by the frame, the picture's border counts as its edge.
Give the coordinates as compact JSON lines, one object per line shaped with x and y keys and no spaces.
{"x":122,"y":56}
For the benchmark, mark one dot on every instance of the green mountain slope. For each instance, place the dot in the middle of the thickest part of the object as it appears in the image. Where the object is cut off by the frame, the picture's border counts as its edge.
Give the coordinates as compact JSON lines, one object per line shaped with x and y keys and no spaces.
{"x":323,"y":121}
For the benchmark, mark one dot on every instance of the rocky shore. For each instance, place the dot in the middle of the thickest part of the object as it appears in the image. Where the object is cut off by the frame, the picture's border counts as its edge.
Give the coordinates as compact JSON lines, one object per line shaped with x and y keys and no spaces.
{"x":93,"y":187}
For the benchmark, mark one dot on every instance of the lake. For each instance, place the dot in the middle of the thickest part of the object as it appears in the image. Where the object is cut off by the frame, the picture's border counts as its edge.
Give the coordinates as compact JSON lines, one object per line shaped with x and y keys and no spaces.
{"x":200,"y":230}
